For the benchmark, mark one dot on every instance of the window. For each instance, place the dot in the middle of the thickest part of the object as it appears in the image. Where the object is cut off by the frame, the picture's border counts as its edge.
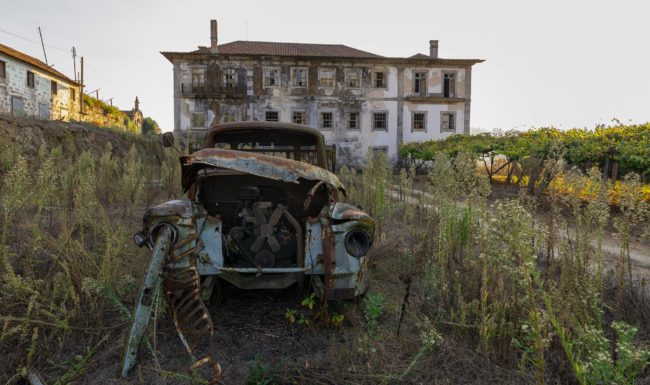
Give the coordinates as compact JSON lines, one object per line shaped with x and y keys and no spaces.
{"x":30,"y":79}
{"x":197,"y":120}
{"x":326,"y":120}
{"x":380,"y":121}
{"x":419,"y":121}
{"x":299,"y":77}
{"x":448,"y":121}
{"x":55,"y":87}
{"x":43,"y":111}
{"x":73,"y":94}
{"x":271,"y":116}
{"x":353,"y":121}
{"x":420,"y":83}
{"x":299,"y":117}
{"x":3,"y":70}
{"x":449,"y":85}
{"x":353,"y":78}
{"x":229,"y":78}
{"x":17,"y":106}
{"x":326,"y":77}
{"x":379,"y":79}
{"x":230,"y":117}
{"x":271,"y":78}
{"x":379,"y":151}
{"x":198,"y":77}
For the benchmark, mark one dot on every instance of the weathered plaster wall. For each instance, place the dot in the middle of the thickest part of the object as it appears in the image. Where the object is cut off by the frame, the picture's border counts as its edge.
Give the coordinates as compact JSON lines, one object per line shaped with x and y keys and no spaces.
{"x":39,"y":100}
{"x":249,"y":99}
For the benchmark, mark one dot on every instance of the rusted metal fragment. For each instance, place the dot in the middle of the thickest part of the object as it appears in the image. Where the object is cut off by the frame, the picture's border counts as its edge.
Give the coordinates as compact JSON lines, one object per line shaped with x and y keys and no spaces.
{"x":266,"y":166}
{"x":145,"y":300}
{"x":344,"y":211}
{"x":176,"y":208}
{"x":191,"y":317}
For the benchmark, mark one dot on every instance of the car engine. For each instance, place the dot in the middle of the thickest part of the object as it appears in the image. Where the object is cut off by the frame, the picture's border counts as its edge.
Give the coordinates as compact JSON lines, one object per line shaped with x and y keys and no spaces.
{"x":267,"y":235}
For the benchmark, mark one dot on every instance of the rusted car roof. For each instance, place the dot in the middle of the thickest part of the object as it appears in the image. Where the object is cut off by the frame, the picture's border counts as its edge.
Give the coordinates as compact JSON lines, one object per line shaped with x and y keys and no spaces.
{"x":266,"y":166}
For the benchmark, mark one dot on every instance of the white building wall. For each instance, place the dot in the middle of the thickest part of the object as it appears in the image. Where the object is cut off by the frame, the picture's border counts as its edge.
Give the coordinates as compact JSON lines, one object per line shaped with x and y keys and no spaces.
{"x":37,"y":101}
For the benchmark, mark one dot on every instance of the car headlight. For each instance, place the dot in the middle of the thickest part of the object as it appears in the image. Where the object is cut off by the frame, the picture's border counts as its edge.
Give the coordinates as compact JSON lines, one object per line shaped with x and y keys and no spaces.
{"x":357,"y":243}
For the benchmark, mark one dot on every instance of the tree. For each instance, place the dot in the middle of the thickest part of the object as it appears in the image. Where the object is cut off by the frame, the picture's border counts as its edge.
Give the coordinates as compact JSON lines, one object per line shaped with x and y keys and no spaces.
{"x":150,"y":127}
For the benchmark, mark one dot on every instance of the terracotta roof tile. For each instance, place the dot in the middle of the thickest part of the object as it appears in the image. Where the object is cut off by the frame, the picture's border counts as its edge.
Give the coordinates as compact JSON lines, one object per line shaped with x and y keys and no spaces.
{"x":241,"y":47}
{"x":33,"y":61}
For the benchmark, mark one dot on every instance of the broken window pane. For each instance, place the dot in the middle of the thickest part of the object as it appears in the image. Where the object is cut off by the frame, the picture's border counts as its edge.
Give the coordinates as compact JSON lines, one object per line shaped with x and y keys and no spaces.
{"x":448,"y":121}
{"x":379,"y":79}
{"x":420,"y":83}
{"x":271,"y":116}
{"x":299,"y":77}
{"x":326,"y":77}
{"x":299,"y":117}
{"x":271,"y":77}
{"x":419,"y":122}
{"x":449,"y":85}
{"x":353,"y":79}
{"x":229,"y":78}
{"x":353,"y":120}
{"x":326,"y":120}
{"x":379,"y":121}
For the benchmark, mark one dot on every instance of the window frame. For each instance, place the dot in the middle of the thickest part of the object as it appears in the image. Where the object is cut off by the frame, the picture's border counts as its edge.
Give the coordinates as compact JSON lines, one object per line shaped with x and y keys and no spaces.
{"x":32,"y":76}
{"x":266,"y":115}
{"x":424,"y":122}
{"x":374,"y":121}
{"x":304,"y":117}
{"x":420,"y":91}
{"x":204,"y":117}
{"x":321,"y":120}
{"x":54,"y":87}
{"x":384,"y":80}
{"x":322,"y":70}
{"x":442,"y":121}
{"x":455,"y":81}
{"x":3,"y":70}
{"x":305,"y":71}
{"x":374,"y":149}
{"x":276,"y":78}
{"x":348,"y":117}
{"x":357,"y":72}
{"x":225,"y":81}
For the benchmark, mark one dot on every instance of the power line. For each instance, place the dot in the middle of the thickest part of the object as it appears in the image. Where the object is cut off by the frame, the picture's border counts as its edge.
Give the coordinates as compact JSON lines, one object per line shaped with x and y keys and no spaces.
{"x":34,"y":41}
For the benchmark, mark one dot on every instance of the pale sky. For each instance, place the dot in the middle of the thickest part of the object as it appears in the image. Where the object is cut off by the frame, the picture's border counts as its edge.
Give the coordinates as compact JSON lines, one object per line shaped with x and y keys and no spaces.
{"x":566,"y":63}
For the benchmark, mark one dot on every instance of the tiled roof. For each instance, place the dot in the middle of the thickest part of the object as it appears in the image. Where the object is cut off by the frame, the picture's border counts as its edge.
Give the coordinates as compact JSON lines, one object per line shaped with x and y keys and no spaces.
{"x":419,"y":56}
{"x":241,"y":47}
{"x":35,"y":62}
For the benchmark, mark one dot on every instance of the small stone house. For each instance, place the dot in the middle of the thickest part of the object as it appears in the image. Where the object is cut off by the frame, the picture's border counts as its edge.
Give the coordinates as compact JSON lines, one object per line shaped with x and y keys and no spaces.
{"x":29,"y":87}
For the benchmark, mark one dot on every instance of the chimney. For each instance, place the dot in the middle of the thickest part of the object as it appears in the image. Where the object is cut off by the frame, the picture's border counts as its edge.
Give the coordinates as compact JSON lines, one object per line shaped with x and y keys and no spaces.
{"x":213,"y":36}
{"x":433,"y":49}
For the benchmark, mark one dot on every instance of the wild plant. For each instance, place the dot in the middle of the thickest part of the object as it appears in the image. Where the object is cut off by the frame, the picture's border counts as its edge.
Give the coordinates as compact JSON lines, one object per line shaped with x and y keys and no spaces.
{"x":373,"y":309}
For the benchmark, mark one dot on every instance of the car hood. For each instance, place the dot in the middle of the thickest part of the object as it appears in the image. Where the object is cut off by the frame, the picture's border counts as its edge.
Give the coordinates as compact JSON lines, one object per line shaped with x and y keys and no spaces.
{"x":266,"y":166}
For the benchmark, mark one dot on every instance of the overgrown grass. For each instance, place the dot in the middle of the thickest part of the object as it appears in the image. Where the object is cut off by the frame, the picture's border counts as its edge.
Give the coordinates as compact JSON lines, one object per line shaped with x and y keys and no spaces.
{"x":527,"y":290}
{"x":66,"y":265}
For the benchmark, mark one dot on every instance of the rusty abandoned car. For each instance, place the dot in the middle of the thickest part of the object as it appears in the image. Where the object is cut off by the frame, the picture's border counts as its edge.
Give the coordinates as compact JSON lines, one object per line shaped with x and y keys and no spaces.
{"x":262,"y":212}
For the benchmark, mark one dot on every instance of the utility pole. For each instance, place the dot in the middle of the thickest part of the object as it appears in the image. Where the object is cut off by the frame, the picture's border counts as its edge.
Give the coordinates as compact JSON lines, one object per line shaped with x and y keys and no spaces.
{"x":74,"y":62}
{"x":81,"y":97}
{"x":43,"y":44}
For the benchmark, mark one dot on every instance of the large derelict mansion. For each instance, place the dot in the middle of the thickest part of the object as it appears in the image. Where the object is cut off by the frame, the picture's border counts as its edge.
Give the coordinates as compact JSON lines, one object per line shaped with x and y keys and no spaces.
{"x":360,"y":101}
